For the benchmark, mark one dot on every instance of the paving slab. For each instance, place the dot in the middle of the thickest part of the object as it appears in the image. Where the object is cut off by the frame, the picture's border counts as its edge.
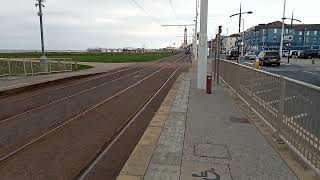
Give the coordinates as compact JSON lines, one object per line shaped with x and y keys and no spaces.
{"x":217,"y":132}
{"x":205,"y":171}
{"x":208,"y":137}
{"x":162,"y":172}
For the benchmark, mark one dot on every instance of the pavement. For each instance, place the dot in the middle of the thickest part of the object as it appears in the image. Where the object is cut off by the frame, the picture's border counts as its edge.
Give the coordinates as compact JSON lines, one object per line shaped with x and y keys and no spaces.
{"x":195,"y":136}
{"x":7,"y":83}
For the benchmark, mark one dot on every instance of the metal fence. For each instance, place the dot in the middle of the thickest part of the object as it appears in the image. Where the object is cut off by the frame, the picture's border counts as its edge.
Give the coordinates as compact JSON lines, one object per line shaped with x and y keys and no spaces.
{"x":290,"y":107}
{"x":31,"y":66}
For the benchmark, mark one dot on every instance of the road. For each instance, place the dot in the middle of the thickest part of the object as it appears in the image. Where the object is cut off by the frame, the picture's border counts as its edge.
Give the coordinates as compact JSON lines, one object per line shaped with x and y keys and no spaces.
{"x":305,"y":73}
{"x":58,"y":132}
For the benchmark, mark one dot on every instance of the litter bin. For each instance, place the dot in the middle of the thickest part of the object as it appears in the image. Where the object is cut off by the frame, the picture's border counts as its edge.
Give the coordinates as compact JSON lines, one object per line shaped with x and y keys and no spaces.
{"x":209,"y":84}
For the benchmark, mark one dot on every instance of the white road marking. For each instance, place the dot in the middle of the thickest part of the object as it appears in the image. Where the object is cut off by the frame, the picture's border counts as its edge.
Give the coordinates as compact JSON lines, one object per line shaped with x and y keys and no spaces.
{"x":311,"y":73}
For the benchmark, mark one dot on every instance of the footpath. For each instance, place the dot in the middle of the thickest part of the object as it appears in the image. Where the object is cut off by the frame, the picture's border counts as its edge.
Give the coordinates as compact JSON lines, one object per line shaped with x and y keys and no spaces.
{"x":7,"y":83}
{"x":195,"y":136}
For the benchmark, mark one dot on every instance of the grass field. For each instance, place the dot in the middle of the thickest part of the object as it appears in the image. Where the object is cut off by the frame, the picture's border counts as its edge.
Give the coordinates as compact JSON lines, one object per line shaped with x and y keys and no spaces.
{"x":96,"y":57}
{"x":17,"y":67}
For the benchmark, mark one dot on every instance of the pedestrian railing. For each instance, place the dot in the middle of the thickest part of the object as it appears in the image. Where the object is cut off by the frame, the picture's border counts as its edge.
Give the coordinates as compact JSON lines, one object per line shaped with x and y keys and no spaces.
{"x":31,"y":66}
{"x":290,"y":107}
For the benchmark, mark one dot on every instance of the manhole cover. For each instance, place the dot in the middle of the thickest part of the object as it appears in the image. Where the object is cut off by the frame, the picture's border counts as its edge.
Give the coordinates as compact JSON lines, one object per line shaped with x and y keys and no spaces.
{"x":219,"y":151}
{"x":239,"y":120}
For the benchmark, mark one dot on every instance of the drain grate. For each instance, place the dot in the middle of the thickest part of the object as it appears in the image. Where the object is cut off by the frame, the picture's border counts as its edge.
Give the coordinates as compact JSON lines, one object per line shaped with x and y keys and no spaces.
{"x":219,"y":151}
{"x":239,"y":120}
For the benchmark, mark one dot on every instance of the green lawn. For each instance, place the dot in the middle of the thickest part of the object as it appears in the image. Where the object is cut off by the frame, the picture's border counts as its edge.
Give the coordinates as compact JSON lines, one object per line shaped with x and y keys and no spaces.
{"x":17,"y":67}
{"x":97,"y":57}
{"x":82,"y":67}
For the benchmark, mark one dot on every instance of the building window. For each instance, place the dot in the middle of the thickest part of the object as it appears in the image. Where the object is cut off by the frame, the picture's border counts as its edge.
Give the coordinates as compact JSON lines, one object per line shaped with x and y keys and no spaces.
{"x":300,"y":33}
{"x":275,"y":31}
{"x":315,"y":32}
{"x":300,"y":39}
{"x":314,"y":40}
{"x":287,"y":31}
{"x":308,"y":33}
{"x":264,"y":39}
{"x":274,"y":38}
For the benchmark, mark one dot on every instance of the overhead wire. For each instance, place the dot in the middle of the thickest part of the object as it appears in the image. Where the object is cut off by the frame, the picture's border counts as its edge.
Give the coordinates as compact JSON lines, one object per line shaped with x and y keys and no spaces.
{"x":174,"y":11}
{"x":145,"y":11}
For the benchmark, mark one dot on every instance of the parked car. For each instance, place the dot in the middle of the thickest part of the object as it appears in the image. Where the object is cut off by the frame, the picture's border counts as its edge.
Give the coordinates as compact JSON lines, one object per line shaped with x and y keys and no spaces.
{"x":232,"y":55}
{"x":309,"y":54}
{"x":294,"y":53}
{"x":285,"y":53}
{"x":250,"y":56}
{"x":269,"y":58}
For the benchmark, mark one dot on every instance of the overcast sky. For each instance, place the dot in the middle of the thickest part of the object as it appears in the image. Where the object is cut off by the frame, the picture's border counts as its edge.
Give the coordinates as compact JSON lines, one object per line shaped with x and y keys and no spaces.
{"x":80,"y":24}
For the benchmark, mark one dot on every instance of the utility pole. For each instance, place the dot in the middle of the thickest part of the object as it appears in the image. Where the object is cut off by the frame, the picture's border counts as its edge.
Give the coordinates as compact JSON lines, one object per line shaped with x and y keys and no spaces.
{"x":218,"y":50}
{"x":291,"y":34}
{"x":185,"y":40}
{"x":282,"y":30}
{"x":242,"y":50}
{"x":43,"y":58}
{"x":195,"y":40}
{"x":240,"y":15}
{"x":203,"y":45}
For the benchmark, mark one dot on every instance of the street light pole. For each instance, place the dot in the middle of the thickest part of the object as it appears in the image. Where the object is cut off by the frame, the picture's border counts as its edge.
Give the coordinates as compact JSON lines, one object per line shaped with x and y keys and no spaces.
{"x":282,"y":30}
{"x":203,"y":45}
{"x":195,"y":40}
{"x":240,"y":15}
{"x":242,"y":50}
{"x":43,"y":58}
{"x":239,"y":32}
{"x":291,"y":34}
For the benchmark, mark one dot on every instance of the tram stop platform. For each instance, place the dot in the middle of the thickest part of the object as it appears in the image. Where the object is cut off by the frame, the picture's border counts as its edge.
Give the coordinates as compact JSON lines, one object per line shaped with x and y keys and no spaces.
{"x":196,"y":136}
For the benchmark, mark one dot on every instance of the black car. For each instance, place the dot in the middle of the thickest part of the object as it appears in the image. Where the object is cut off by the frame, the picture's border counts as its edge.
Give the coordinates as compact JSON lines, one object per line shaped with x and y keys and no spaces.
{"x":269,"y":58}
{"x":232,"y":55}
{"x":309,"y":54}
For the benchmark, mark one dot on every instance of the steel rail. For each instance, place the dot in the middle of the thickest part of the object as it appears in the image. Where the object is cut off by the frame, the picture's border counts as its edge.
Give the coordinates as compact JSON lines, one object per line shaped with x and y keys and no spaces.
{"x":117,"y":135}
{"x":61,"y":126}
{"x":102,"y":76}
{"x":76,"y":94}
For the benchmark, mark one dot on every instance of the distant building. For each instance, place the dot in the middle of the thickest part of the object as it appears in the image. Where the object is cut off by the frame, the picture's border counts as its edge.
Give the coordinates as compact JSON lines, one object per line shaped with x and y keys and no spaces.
{"x":114,"y":50}
{"x":268,"y":36}
{"x":95,"y":50}
{"x":229,"y":42}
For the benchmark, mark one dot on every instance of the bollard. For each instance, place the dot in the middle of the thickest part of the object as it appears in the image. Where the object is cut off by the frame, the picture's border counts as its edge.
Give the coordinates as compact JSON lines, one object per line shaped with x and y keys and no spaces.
{"x":257,"y":64}
{"x":209,"y":84}
{"x":313,"y":61}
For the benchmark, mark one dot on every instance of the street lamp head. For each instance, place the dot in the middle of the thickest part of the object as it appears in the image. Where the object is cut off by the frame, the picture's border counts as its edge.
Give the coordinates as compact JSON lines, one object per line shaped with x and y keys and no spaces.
{"x":234,"y":15}
{"x":249,"y":12}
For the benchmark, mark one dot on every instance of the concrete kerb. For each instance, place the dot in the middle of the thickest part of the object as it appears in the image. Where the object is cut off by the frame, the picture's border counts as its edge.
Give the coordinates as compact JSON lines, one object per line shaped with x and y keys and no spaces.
{"x":145,"y":153}
{"x":25,"y":87}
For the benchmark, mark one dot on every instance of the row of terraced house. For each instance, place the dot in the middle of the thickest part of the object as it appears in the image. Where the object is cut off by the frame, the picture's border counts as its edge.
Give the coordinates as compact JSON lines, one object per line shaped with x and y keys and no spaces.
{"x":268,"y":36}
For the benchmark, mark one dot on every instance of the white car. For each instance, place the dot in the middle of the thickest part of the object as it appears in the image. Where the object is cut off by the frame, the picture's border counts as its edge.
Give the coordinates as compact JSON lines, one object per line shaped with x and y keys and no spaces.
{"x":250,"y":56}
{"x":285,"y":53}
